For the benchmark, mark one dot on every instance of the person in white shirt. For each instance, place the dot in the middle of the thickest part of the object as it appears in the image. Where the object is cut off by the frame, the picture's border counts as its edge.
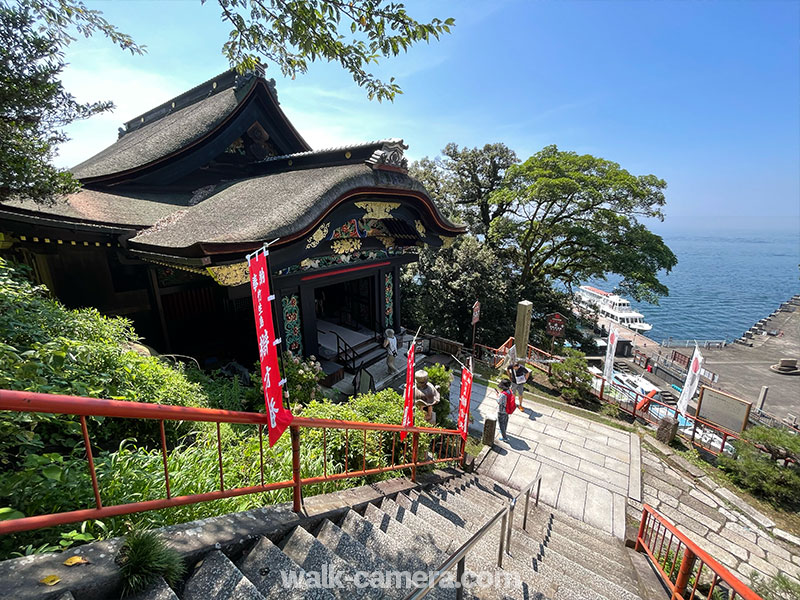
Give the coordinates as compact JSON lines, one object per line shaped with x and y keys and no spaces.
{"x":390,"y":343}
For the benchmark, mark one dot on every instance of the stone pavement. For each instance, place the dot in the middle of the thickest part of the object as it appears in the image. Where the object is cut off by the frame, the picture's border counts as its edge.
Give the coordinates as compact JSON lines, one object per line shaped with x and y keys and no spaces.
{"x":588,"y":469}
{"x":715,"y":520}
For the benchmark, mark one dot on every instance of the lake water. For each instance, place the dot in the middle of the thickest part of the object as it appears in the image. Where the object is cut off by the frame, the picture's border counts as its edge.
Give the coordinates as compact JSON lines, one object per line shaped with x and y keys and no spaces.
{"x":724,"y":282}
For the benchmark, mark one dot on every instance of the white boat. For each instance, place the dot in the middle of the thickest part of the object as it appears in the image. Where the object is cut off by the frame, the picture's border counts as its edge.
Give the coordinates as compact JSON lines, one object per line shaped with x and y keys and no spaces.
{"x":612,"y":307}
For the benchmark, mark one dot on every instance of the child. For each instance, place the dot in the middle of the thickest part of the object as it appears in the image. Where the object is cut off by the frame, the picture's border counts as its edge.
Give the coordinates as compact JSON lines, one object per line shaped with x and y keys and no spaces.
{"x":504,"y":397}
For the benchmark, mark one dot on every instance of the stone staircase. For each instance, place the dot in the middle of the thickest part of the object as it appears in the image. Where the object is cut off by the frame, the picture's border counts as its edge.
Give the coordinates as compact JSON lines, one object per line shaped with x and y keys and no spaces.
{"x":558,"y":558}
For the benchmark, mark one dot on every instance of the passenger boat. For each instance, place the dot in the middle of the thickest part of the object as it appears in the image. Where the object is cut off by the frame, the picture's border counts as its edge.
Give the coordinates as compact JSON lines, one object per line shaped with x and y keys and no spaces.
{"x":610,"y":306}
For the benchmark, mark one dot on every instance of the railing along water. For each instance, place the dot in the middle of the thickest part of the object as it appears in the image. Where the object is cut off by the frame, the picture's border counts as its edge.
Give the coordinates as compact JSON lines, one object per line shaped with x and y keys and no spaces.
{"x":458,"y":558}
{"x":446,"y":445}
{"x":687,"y":570}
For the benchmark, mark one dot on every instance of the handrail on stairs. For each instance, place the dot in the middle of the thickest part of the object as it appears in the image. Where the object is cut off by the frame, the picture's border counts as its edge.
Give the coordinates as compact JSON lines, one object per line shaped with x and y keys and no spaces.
{"x":458,"y":558}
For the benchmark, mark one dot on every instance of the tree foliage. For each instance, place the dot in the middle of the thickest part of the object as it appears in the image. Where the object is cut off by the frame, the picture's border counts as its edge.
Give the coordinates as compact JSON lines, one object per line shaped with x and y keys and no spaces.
{"x":463,"y":180}
{"x":571,"y":217}
{"x":572,"y":376}
{"x":354,"y":33}
{"x":34,"y":107}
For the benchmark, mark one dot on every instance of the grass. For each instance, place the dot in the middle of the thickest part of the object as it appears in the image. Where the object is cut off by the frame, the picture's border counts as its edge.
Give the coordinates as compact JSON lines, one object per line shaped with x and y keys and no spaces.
{"x":474,"y":446}
{"x":143,"y":558}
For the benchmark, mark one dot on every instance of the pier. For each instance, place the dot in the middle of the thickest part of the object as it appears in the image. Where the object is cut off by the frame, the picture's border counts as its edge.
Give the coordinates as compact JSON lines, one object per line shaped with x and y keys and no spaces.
{"x":744,"y":365}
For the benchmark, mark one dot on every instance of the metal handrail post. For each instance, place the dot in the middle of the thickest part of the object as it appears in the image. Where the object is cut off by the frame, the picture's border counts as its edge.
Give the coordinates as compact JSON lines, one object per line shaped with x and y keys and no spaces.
{"x":502,"y":540}
{"x":639,"y":535}
{"x":510,"y":524}
{"x":459,"y":577}
{"x":685,"y":571}
{"x":538,"y":490}
{"x":297,"y":489}
{"x":525,"y":514}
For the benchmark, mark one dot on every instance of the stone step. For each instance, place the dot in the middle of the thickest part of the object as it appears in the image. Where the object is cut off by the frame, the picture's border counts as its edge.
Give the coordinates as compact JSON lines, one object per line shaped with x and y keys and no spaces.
{"x":160,"y":590}
{"x":428,"y":551}
{"x":263,"y":566}
{"x":543,"y":517}
{"x":385,"y":546}
{"x":359,"y":556}
{"x":314,"y":557}
{"x":217,"y":577}
{"x":523,"y":551}
{"x":543,"y":537}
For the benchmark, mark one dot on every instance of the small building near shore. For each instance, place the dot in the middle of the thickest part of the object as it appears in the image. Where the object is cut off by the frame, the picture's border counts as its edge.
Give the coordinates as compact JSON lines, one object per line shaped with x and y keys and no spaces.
{"x":166,"y":215}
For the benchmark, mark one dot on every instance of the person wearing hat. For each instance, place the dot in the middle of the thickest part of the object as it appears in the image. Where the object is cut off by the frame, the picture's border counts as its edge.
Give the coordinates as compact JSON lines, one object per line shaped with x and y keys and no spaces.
{"x":505,"y":399}
{"x":518,"y":375}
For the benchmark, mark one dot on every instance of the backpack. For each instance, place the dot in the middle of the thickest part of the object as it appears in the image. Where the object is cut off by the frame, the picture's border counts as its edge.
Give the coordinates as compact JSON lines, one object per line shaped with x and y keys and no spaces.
{"x":511,"y":402}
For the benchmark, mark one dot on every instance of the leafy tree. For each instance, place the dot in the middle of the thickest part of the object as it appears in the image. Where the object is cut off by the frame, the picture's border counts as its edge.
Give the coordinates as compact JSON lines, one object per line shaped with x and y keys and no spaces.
{"x":570,"y":217}
{"x":293,"y":33}
{"x":33,"y":104}
{"x":463,"y":181}
{"x":441,"y":287}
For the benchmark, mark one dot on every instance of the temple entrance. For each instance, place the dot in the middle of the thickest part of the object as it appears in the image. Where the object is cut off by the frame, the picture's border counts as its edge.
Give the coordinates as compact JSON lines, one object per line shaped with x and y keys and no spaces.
{"x":349,"y":305}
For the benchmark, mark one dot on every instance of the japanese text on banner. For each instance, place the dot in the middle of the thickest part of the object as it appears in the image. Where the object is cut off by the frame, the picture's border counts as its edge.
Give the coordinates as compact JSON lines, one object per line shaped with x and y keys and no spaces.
{"x":408,"y":408}
{"x":279,"y":417}
{"x":463,"y":402}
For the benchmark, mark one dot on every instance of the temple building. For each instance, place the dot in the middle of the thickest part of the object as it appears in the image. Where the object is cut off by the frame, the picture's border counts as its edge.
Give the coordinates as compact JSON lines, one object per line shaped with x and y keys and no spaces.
{"x":166,"y":215}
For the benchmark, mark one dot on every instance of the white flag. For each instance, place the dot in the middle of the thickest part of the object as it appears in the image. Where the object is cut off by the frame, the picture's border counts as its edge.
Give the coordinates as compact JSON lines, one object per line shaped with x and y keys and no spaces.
{"x":692,"y":380}
{"x":611,"y":349}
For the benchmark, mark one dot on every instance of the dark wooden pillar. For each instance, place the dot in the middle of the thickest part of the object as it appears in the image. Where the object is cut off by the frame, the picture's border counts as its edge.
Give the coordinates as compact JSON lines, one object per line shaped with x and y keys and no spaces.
{"x":308,"y":321}
{"x":156,"y":293}
{"x":396,"y":282}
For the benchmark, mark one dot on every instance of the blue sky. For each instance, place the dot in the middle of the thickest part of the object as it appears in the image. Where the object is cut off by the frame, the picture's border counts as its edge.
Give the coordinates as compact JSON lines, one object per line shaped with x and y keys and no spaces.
{"x":702,"y":94}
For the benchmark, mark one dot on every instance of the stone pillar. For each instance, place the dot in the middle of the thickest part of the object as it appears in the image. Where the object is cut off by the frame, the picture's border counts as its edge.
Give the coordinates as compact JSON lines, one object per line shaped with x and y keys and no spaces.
{"x":489,"y":428}
{"x":523,"y":329}
{"x":762,"y":398}
{"x":667,"y":430}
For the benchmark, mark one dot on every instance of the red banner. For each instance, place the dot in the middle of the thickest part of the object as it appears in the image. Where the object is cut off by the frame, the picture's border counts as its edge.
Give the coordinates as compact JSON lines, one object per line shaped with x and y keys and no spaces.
{"x":408,"y":409}
{"x":463,"y":402}
{"x":279,"y":417}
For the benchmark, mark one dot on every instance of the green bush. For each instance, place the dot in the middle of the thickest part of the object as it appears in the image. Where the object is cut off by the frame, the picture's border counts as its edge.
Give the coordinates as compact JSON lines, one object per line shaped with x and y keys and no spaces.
{"x":571,"y":376}
{"x":766,"y":465}
{"x":778,"y":587}
{"x":302,"y":378}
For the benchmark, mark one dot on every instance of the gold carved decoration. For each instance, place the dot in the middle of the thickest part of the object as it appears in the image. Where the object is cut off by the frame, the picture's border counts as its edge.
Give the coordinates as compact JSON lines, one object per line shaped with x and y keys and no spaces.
{"x":346,"y":245}
{"x":386,"y":240}
{"x":319,"y":235}
{"x":420,"y":227}
{"x":230,"y":275}
{"x":378,"y":210}
{"x":447,"y":241}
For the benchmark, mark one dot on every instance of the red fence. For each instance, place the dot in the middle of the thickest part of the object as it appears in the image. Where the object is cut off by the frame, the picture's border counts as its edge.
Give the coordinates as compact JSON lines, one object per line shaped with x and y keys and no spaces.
{"x":686,"y":570}
{"x":445,"y":446}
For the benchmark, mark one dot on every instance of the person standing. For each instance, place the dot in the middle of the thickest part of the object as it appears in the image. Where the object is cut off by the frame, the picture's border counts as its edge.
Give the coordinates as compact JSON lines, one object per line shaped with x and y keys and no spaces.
{"x":518,"y":375}
{"x":505,"y":403}
{"x":390,"y":343}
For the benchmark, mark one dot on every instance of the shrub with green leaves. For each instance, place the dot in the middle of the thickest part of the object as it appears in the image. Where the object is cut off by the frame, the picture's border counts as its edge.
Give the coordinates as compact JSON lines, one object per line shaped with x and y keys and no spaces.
{"x":302,"y":378}
{"x":571,"y":376}
{"x":778,"y":587}
{"x":766,"y":465}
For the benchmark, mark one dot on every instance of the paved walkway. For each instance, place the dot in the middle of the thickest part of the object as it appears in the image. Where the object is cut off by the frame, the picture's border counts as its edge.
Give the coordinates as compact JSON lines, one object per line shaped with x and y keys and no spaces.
{"x":588,"y":469}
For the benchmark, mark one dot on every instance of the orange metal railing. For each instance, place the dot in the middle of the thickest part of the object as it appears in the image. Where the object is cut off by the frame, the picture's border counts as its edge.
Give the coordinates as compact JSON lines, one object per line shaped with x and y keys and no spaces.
{"x":686,"y":569}
{"x":446,"y":445}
